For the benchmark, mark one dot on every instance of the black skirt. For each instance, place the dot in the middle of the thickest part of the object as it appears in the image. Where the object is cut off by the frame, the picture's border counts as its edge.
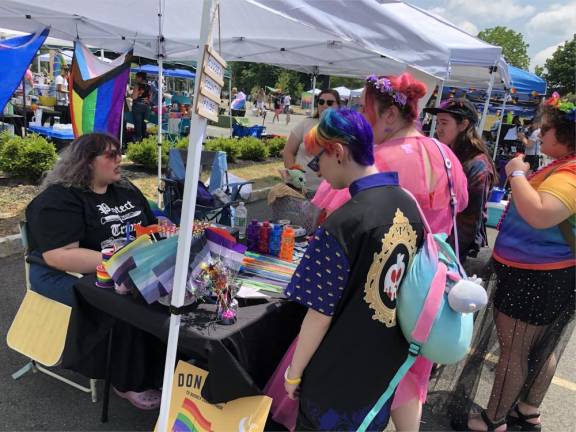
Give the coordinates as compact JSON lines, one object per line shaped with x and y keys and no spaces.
{"x":534,"y":296}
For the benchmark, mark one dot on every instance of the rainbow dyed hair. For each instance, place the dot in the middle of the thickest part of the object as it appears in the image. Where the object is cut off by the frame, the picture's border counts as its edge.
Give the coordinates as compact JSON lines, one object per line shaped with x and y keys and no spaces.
{"x":345,"y":127}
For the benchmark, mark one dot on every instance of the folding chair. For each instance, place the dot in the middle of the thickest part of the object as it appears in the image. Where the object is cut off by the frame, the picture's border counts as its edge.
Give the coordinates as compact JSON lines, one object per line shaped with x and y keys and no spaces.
{"x":39,"y":329}
{"x":207,"y":206}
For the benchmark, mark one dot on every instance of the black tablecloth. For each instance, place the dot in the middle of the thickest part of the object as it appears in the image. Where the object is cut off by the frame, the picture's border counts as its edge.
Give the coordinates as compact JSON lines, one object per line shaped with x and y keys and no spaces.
{"x":240,"y":357}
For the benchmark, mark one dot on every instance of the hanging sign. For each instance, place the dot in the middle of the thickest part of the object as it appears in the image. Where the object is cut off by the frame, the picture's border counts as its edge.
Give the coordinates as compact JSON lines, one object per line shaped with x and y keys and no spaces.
{"x":207,"y":102}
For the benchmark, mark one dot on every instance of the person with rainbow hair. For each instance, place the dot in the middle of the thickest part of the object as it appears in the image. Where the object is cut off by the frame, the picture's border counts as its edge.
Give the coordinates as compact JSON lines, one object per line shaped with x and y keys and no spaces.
{"x":350,"y":345}
{"x":390,"y":104}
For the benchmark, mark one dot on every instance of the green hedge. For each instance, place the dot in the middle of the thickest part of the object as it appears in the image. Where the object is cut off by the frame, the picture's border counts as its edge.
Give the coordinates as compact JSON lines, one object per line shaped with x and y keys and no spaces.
{"x":27,"y":157}
{"x":276,"y":146}
{"x":248,"y":148}
{"x":145,"y":152}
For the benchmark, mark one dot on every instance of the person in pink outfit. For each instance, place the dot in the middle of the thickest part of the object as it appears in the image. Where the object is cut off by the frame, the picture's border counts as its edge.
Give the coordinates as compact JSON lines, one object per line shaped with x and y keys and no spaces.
{"x":390,"y":104}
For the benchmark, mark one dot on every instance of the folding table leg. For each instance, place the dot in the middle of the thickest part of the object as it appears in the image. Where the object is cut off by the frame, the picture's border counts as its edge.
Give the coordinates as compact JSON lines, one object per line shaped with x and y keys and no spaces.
{"x":106,"y":395}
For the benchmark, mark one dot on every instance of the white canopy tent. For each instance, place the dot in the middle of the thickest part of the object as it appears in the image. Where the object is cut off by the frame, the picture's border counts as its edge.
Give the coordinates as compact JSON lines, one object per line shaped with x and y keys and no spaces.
{"x":344,"y":92}
{"x":331,"y":37}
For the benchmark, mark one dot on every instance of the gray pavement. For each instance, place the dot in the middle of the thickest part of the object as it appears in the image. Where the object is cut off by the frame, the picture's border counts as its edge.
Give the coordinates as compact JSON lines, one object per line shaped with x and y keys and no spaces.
{"x":37,"y":402}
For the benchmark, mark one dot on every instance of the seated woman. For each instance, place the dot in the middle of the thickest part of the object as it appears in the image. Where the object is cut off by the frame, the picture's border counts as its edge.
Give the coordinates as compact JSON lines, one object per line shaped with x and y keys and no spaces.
{"x":84,"y":206}
{"x":349,"y":279}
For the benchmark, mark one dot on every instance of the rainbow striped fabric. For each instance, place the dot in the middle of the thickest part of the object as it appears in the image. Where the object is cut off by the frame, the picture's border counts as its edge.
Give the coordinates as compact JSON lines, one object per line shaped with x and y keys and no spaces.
{"x":190,"y":419}
{"x":97,"y":91}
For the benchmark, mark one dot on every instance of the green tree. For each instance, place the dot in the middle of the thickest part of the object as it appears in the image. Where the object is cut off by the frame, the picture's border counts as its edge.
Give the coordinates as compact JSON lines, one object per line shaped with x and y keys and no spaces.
{"x":283,"y":81}
{"x":561,"y":67}
{"x":539,"y":70}
{"x":514,"y":48}
{"x":351,"y":83}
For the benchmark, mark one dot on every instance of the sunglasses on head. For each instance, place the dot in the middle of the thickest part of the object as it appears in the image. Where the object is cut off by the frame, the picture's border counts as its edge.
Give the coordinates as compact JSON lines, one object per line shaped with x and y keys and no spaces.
{"x":327,"y":102}
{"x":314,"y":164}
{"x":112,"y":153}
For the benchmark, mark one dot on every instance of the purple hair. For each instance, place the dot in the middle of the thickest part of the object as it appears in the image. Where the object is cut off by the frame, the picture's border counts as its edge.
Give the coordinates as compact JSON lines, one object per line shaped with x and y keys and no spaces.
{"x":349,"y":128}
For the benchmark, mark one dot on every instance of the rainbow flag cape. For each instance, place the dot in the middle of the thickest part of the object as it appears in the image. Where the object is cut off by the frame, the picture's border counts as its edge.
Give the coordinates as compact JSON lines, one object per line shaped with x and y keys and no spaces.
{"x":97,"y":91}
{"x":16,"y":54}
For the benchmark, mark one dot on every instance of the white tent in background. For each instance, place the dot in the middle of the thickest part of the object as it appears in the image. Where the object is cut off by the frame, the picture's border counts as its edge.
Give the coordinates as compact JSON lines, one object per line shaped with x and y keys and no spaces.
{"x":344,"y":92}
{"x":337,"y":37}
{"x":315,"y":91}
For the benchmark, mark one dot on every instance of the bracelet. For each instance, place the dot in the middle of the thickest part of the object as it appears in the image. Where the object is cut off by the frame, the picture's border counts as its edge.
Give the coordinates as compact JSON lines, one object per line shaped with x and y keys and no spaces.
{"x":293,"y":381}
{"x":518,"y":173}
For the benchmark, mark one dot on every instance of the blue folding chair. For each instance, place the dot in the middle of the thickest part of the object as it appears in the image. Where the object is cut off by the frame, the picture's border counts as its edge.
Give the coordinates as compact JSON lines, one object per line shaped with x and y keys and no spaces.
{"x":208,"y":207}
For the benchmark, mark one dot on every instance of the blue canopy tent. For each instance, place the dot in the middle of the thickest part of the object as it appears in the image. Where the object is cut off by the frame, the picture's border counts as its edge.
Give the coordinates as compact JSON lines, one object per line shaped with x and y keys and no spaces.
{"x":174,"y":73}
{"x":525,"y":82}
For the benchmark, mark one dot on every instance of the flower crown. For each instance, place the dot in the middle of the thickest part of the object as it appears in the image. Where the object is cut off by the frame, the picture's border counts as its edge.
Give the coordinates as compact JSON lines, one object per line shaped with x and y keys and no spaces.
{"x":384,"y":86}
{"x":568,"y":108}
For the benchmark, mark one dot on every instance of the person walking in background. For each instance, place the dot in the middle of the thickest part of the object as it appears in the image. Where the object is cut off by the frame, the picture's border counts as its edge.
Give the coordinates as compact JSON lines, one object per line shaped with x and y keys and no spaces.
{"x":260,"y":99}
{"x":532,"y":141}
{"x":456,"y":120}
{"x":277,"y":107}
{"x":286,"y":106}
{"x":140,"y":108}
{"x":62,"y":99}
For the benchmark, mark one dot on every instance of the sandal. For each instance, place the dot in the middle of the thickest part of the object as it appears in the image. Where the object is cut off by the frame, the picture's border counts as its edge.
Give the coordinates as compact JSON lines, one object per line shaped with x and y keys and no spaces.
{"x":146,"y":400}
{"x":522,"y":420}
{"x":461,"y":424}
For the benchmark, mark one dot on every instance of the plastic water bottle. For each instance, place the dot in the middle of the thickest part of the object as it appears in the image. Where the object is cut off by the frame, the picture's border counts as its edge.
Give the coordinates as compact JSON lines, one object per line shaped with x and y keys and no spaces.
{"x":263,"y":246}
{"x":241,"y":216}
{"x":253,"y":235}
{"x":275,"y":240}
{"x":287,"y":244}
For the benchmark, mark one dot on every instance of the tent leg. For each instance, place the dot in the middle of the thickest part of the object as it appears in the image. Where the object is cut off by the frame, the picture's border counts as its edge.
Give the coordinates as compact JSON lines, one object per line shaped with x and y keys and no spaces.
{"x":500,"y":126}
{"x":439,"y":99}
{"x":487,"y":102}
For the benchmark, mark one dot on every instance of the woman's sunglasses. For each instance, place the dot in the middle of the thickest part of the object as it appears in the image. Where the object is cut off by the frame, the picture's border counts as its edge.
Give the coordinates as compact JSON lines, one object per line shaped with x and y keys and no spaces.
{"x":112,"y":153}
{"x":327,"y":102}
{"x":314,"y":164}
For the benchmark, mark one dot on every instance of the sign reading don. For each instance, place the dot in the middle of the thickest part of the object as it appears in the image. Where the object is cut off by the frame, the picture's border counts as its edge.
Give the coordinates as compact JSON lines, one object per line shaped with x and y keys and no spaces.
{"x":189,"y":412}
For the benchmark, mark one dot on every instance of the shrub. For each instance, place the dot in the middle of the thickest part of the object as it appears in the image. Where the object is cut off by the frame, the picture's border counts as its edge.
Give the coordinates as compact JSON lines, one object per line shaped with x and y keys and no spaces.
{"x":145,"y":152}
{"x":276,"y":146}
{"x":252,"y":149}
{"x":4,"y":137}
{"x":27,"y":157}
{"x":229,"y":145}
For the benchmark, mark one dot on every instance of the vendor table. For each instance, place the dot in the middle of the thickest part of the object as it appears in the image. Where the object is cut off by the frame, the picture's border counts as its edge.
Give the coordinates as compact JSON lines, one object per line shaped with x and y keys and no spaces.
{"x":240,"y":357}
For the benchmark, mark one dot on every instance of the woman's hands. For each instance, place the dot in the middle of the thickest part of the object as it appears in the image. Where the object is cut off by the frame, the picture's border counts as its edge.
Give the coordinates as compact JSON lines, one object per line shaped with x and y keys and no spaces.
{"x":517,"y":164}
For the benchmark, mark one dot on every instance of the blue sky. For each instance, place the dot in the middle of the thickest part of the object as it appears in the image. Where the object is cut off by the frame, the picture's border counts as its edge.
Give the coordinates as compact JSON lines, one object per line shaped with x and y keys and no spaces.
{"x":545,"y":24}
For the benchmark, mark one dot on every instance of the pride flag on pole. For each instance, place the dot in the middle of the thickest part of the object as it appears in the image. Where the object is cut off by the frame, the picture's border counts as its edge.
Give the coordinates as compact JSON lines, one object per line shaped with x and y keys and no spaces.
{"x":97,"y":91}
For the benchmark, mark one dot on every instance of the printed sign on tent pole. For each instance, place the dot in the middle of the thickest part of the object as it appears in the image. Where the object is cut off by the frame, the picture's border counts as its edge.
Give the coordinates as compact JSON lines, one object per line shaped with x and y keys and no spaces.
{"x":207,"y":103}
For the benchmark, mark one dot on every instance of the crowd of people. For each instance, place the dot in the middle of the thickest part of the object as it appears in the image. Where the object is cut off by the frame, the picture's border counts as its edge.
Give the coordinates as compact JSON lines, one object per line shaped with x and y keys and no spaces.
{"x":368,"y":171}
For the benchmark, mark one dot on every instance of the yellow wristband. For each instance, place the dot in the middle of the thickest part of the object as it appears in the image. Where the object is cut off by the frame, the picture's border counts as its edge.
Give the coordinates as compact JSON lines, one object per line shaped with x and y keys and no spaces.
{"x":293,"y":381}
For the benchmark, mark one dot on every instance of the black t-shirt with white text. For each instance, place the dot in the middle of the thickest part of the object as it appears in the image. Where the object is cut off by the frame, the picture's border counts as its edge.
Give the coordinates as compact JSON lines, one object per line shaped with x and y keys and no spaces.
{"x":62,"y":215}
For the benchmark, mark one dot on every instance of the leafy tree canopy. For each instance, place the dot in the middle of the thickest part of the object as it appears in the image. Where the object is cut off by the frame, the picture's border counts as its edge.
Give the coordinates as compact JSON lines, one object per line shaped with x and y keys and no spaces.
{"x":514,"y":48}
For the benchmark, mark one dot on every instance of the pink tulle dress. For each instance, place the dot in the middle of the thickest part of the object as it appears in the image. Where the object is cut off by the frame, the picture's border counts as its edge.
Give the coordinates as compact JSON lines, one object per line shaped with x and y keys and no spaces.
{"x":421,"y":171}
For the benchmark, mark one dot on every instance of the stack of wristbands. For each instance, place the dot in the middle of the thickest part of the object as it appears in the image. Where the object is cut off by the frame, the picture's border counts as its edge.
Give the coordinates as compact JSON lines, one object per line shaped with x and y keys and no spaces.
{"x":103,"y":279}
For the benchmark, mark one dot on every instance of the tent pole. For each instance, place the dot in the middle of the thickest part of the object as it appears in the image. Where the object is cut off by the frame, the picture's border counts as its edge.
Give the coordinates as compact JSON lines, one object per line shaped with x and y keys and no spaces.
{"x":160,"y":86}
{"x":122,"y":124}
{"x":230,"y":101}
{"x":487,"y":102}
{"x":500,"y":125}
{"x":314,"y":90}
{"x":197,"y":132}
{"x":102,"y":54}
{"x":439,"y":98}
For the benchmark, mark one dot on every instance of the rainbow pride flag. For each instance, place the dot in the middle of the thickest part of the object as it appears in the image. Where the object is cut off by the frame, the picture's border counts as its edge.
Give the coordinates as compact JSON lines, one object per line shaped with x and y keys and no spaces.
{"x":97,"y":91}
{"x":190,"y":419}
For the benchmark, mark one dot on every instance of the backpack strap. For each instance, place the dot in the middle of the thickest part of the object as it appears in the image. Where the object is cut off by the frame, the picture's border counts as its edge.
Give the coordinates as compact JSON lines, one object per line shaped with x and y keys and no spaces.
{"x":453,"y":197}
{"x":413,"y":352}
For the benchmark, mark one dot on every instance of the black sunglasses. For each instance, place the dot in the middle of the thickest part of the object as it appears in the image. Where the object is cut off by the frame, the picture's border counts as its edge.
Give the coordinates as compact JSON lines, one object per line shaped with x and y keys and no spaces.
{"x":314,"y":164}
{"x":112,"y":153}
{"x":327,"y":102}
